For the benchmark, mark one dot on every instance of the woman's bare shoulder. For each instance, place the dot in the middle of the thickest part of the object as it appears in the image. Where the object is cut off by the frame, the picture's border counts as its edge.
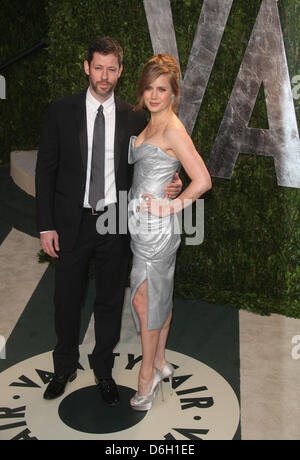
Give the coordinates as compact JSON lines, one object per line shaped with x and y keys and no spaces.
{"x":175,"y":128}
{"x":176,"y":134}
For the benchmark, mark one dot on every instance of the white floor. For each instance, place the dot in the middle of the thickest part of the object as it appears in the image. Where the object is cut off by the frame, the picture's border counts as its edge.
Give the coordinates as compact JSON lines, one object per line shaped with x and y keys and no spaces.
{"x":20,"y":273}
{"x":270,"y":377}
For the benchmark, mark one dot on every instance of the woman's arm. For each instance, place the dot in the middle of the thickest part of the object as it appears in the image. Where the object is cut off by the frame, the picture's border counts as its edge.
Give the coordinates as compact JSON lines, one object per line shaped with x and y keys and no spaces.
{"x":184,"y":149}
{"x":182,"y":145}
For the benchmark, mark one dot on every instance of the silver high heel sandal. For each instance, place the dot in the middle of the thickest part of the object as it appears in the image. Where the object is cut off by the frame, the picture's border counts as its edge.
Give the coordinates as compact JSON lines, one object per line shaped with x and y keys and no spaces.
{"x":168,"y":372}
{"x":144,"y":403}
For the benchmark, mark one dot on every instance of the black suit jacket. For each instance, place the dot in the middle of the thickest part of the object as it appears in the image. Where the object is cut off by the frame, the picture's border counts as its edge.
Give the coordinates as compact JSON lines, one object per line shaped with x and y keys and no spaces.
{"x":62,"y":163}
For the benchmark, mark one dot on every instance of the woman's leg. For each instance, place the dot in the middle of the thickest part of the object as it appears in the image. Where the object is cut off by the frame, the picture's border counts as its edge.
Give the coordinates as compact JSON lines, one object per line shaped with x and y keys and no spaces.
{"x":149,"y":340}
{"x":153,"y":342}
{"x":160,"y":357}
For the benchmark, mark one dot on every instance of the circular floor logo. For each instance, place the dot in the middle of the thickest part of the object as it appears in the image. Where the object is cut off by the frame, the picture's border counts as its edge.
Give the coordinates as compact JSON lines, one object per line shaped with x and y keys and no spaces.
{"x":203,"y":405}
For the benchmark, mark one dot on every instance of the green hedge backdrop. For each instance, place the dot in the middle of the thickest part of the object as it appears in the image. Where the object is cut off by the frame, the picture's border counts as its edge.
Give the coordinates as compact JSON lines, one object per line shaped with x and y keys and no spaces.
{"x":22,"y":25}
{"x":251,"y":253}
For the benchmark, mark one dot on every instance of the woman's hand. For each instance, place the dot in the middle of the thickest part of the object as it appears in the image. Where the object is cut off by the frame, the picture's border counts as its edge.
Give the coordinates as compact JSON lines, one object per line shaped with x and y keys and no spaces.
{"x":158,"y":208}
{"x":174,"y":188}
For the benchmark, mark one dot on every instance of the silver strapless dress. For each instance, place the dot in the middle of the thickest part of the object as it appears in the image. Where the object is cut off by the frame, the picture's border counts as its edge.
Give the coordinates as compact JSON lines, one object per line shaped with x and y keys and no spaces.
{"x":154,"y":240}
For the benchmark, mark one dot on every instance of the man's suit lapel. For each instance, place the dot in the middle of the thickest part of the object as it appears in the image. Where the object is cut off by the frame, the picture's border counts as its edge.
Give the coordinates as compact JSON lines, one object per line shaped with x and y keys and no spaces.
{"x":80,"y":109}
{"x":119,"y":132}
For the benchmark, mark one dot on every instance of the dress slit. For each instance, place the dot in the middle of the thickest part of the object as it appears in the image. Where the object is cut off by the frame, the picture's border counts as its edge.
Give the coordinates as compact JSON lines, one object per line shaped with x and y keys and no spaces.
{"x":138,"y":283}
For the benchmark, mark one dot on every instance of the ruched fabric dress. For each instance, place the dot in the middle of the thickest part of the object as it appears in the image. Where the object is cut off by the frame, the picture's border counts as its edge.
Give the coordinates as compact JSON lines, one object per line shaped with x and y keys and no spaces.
{"x":154,"y":240}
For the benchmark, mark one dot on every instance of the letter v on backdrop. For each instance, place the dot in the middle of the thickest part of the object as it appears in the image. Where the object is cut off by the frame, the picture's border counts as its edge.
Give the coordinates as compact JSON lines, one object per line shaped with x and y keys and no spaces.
{"x":2,"y":87}
{"x":264,"y":63}
{"x":211,"y":26}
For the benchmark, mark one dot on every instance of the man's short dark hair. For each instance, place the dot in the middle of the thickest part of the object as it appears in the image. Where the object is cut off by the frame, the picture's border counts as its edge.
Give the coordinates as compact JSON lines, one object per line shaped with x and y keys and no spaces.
{"x":104,"y":45}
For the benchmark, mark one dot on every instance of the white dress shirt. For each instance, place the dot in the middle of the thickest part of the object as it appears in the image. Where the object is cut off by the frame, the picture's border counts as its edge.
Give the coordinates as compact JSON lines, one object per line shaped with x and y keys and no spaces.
{"x":109,"y":110}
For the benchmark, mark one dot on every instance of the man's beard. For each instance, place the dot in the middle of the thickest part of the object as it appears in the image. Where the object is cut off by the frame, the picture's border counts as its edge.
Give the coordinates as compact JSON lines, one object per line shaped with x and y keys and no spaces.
{"x":103,"y":93}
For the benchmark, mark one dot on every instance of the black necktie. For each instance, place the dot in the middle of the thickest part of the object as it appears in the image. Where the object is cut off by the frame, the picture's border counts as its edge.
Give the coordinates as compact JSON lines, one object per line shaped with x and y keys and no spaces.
{"x":97,"y":182}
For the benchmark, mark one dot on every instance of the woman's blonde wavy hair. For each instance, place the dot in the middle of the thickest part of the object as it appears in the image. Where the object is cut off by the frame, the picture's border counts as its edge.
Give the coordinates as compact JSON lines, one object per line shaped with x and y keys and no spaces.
{"x":161,"y":64}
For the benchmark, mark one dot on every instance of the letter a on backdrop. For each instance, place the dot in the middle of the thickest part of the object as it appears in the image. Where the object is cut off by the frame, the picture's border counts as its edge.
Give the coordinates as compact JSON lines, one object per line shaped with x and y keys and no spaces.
{"x":264,"y":62}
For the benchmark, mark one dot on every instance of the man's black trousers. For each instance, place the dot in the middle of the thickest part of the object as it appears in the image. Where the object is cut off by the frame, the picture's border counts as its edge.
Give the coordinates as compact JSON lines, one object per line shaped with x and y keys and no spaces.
{"x":111,"y":257}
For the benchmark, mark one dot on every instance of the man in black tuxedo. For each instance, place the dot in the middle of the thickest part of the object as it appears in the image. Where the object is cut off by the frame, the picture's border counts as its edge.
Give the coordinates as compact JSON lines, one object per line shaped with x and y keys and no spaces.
{"x":82,"y":166}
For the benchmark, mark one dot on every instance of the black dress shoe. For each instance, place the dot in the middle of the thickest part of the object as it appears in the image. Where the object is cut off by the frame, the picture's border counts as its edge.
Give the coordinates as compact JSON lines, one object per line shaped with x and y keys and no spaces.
{"x":109,"y":391}
{"x":57,"y":386}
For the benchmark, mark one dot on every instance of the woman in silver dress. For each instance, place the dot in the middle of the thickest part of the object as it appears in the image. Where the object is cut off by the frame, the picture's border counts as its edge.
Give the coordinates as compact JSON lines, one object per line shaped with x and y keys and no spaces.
{"x":157,"y":153}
